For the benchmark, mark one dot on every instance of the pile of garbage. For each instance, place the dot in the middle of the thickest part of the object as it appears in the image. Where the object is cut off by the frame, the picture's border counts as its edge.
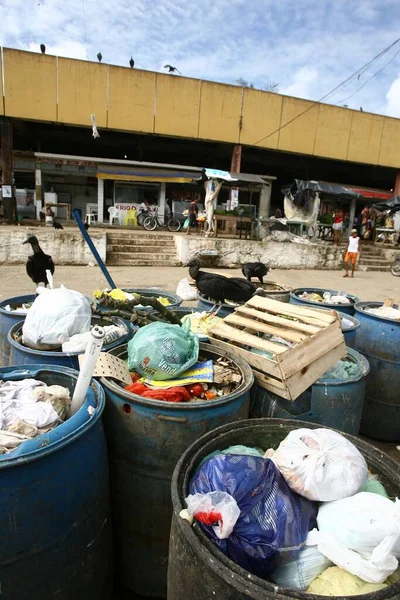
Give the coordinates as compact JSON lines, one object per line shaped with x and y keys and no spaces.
{"x":21,"y":310}
{"x":326,"y":298}
{"x":388,"y":312}
{"x":133,"y":307}
{"x":164,"y":363}
{"x":307,"y":516}
{"x":29,"y":408}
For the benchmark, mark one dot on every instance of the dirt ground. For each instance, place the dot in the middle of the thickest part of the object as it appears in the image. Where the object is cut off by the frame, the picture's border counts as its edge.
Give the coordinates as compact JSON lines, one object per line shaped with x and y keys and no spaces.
{"x":367,"y":286}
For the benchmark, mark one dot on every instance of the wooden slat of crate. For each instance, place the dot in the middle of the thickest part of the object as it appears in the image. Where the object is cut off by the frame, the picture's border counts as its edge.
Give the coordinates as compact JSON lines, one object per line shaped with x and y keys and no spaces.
{"x":269,"y":318}
{"x":257,"y":325}
{"x":311,"y":349}
{"x":255,"y":360}
{"x":311,"y":316}
{"x":225,"y":330}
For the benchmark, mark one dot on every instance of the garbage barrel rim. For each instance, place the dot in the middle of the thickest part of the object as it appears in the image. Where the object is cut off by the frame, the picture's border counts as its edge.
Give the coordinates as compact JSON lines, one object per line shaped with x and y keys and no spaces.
{"x":360,"y":306}
{"x":51,"y":353}
{"x":365,"y":369}
{"x":14,"y":300}
{"x":294,"y":294}
{"x":227,"y":568}
{"x":245,"y":386}
{"x":68,"y":438}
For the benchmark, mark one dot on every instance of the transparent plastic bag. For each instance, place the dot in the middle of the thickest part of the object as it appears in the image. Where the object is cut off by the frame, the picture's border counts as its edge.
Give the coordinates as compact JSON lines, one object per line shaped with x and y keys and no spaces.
{"x":186,"y":291}
{"x":215,"y":507}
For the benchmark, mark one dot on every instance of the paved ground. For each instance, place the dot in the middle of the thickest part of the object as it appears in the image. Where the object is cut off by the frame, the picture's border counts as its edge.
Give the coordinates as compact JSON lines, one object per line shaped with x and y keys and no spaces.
{"x":367,"y":286}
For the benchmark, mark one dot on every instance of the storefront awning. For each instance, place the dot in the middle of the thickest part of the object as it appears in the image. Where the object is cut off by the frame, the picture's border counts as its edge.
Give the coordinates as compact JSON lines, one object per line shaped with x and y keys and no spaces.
{"x":146,"y":174}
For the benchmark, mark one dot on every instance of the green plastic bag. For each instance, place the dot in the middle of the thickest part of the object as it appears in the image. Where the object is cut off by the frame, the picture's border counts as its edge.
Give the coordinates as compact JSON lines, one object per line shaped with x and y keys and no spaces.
{"x":162,"y":351}
{"x":186,"y":223}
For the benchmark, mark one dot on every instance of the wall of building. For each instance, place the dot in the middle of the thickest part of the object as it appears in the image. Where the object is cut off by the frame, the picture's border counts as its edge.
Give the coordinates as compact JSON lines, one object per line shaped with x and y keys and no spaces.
{"x":280,"y":255}
{"x":69,"y":91}
{"x":65,"y":247}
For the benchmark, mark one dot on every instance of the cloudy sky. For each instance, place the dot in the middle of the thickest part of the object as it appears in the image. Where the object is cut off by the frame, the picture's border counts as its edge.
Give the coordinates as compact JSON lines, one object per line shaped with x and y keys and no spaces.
{"x":308,"y":47}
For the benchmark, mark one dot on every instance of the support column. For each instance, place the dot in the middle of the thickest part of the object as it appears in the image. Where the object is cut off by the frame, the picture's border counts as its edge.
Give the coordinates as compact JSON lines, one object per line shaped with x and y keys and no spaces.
{"x":8,"y":193}
{"x":396,"y":190}
{"x":236,"y":162}
{"x":100,"y":200}
{"x":161,"y":203}
{"x":352,"y":213}
{"x":265,"y":200}
{"x":38,"y":190}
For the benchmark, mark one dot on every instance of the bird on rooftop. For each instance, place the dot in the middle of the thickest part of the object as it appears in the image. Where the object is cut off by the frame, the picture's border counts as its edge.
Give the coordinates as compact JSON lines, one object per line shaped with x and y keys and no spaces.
{"x":361,"y":108}
{"x":131,"y":63}
{"x":172,"y":69}
{"x":256,"y":269}
{"x":38,"y":263}
{"x":220,"y":288}
{"x":42,"y":48}
{"x":57,"y":225}
{"x":99,"y":56}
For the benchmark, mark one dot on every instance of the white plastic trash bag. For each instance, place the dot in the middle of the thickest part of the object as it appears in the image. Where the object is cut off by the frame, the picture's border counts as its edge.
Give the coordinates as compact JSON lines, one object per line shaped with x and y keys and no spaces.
{"x":55,"y":316}
{"x":361,"y":535}
{"x":186,"y":291}
{"x":321,"y":464}
{"x":299,"y":573}
{"x":218,"y":506}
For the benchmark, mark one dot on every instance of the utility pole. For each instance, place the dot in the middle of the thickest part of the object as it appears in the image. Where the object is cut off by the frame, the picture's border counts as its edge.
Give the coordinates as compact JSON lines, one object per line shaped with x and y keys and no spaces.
{"x":235,"y":168}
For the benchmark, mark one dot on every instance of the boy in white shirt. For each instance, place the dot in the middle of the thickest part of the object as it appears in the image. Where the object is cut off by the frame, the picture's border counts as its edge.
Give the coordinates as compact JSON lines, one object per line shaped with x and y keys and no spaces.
{"x":353,"y":252}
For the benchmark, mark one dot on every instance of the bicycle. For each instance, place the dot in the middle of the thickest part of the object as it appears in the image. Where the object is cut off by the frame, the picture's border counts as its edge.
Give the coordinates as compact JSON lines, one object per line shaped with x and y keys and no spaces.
{"x":152,"y":222}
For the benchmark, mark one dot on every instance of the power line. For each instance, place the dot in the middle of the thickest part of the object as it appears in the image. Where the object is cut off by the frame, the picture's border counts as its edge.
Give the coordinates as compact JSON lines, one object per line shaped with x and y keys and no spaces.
{"x":333,"y":91}
{"x":369,"y":79}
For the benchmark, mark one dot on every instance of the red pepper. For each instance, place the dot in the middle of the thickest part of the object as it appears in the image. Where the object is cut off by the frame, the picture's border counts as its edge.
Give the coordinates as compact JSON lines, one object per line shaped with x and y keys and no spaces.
{"x":195,"y":389}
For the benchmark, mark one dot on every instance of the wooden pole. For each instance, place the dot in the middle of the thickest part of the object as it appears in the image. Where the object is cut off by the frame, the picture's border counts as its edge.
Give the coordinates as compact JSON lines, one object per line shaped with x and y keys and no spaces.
{"x":9,"y":204}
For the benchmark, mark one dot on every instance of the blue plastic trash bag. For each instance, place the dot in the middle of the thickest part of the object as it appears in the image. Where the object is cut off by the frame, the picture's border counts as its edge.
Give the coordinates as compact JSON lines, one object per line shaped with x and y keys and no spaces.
{"x":273,"y":522}
{"x":163,"y":351}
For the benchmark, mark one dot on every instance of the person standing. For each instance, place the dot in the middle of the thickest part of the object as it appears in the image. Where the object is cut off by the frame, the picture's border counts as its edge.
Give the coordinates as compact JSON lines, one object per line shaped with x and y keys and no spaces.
{"x":353,"y":252}
{"x":193,"y":213}
{"x":338,"y":218}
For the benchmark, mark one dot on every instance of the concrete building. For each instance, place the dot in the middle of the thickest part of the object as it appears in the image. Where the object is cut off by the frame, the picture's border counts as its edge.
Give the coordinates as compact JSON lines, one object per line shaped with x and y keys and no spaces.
{"x":157,"y":128}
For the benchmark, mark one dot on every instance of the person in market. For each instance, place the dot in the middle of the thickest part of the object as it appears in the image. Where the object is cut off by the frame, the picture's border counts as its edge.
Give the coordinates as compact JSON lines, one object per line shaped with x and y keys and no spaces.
{"x":193,"y":213}
{"x":338,"y":218}
{"x":353,"y":253}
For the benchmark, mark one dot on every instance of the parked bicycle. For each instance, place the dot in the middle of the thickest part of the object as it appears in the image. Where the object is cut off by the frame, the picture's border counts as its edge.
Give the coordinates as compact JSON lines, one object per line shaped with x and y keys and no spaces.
{"x":151,"y":222}
{"x":395,"y":267}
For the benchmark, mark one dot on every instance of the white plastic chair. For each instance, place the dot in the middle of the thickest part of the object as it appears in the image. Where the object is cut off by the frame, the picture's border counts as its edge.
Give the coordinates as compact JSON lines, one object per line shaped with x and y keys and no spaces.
{"x":114,"y":214}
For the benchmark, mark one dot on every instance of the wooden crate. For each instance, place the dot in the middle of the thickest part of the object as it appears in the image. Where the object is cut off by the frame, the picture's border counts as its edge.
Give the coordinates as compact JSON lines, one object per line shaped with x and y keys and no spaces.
{"x":317,"y":334}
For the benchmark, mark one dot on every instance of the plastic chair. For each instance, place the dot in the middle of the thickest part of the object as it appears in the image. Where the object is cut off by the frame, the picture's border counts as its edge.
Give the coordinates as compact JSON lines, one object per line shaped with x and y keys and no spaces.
{"x":114,"y":214}
{"x":131,"y":216}
{"x":91,"y":217}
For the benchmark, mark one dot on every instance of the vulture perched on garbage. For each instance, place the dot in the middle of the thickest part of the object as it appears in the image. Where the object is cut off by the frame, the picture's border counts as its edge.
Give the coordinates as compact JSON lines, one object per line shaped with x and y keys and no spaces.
{"x":38,"y":263}
{"x":256,"y":269}
{"x":220,"y":288}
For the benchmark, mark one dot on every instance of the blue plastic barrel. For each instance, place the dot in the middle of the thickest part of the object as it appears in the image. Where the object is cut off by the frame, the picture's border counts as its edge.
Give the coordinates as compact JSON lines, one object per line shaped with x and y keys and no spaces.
{"x":55,"y":527}
{"x":379,"y":340}
{"x":22,"y":355}
{"x":7,"y":320}
{"x":206,"y":304}
{"x":146,"y":438}
{"x":349,"y":331}
{"x":330,"y":402}
{"x":345,"y":308}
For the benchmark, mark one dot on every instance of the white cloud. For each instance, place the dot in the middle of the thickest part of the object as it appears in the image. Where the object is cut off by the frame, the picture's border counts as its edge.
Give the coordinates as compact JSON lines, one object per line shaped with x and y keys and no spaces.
{"x":302,"y":83}
{"x":393,"y":99}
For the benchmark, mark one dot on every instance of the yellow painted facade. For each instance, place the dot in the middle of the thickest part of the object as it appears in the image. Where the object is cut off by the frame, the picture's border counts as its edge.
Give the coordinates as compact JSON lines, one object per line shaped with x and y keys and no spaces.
{"x":1,"y":90}
{"x":46,"y":88}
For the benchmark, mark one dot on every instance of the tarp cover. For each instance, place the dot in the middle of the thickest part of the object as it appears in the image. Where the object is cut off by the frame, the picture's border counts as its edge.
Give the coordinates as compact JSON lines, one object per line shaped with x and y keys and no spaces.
{"x":393,"y":204}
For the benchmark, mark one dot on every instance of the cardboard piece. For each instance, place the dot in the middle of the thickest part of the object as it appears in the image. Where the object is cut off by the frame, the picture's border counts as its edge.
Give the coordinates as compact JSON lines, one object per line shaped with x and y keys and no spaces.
{"x":110,"y":366}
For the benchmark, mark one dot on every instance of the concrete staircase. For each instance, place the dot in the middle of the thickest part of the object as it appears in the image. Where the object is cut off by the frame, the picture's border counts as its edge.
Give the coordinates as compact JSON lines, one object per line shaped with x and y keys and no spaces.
{"x":372,"y":259}
{"x":141,"y":249}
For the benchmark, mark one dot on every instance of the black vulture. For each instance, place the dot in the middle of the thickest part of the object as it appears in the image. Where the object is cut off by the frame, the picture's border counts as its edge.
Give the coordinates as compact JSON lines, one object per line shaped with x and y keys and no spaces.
{"x":172,"y":69}
{"x":220,"y":288}
{"x":38,"y":263}
{"x":42,"y":48}
{"x":99,"y":57}
{"x":256,"y":269}
{"x":131,"y":63}
{"x":57,"y":225}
